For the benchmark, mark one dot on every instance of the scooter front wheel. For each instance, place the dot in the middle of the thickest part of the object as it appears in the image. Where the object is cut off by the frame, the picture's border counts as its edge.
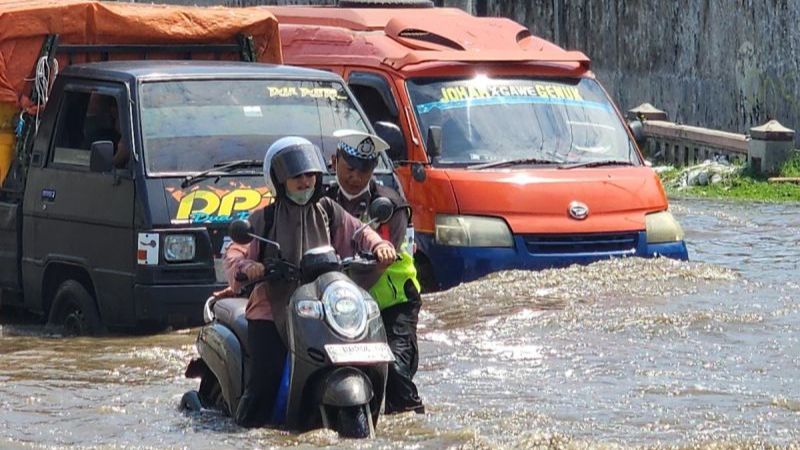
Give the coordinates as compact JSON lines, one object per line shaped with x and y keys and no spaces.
{"x":191,"y":402}
{"x":353,"y":422}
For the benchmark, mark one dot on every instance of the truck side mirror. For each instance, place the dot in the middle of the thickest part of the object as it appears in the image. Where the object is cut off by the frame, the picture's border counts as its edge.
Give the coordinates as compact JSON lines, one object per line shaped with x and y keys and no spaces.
{"x":101,"y":158}
{"x":433,"y":142}
{"x":637,"y":130}
{"x":391,"y":133}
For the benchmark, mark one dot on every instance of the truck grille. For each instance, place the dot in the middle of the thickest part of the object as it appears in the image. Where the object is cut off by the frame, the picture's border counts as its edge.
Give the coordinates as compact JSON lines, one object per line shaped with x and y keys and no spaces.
{"x":550,"y":244}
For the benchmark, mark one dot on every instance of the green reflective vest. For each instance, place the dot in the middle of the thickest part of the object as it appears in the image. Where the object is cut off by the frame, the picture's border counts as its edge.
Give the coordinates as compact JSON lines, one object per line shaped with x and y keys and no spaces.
{"x":389,"y":289}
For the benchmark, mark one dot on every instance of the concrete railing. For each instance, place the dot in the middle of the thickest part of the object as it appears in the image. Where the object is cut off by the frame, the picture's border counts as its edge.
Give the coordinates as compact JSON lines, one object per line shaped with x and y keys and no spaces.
{"x":765,"y":148}
{"x":684,"y":145}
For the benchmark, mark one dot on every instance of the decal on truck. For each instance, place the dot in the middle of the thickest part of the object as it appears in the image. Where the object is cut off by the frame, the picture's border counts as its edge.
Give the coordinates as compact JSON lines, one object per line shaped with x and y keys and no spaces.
{"x":294,"y":91}
{"x":470,"y":95}
{"x":217,"y":205}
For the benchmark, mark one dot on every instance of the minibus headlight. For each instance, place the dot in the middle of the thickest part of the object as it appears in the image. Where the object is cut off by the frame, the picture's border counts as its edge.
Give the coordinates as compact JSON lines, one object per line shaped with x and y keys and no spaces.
{"x":662,"y":227}
{"x":179,"y":247}
{"x":472,"y":231}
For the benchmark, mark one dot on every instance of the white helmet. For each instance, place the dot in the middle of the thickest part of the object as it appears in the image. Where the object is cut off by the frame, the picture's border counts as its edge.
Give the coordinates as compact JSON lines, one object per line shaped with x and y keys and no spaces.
{"x":288,"y":157}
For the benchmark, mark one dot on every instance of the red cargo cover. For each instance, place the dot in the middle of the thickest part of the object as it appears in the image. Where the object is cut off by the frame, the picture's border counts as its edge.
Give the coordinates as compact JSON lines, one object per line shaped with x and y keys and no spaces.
{"x":25,"y":23}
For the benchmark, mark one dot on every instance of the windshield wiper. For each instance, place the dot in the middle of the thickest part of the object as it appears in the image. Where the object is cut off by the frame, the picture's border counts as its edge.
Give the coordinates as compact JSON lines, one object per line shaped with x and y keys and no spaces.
{"x":510,"y":162}
{"x":220,"y":167}
{"x":604,"y":162}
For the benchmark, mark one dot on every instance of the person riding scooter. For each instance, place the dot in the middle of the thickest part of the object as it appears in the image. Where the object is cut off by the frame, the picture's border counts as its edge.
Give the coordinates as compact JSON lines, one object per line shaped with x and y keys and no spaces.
{"x":397,"y":291}
{"x":299,"y":219}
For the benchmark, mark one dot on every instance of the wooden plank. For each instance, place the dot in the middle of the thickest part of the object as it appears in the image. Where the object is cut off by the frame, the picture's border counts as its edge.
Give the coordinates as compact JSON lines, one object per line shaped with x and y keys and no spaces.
{"x":795,"y":180}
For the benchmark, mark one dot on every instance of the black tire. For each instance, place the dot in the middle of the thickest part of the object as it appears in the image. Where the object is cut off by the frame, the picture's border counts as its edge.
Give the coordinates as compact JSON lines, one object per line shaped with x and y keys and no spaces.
{"x":191,"y":402}
{"x":352,"y":422}
{"x":210,"y":393}
{"x":385,"y":4}
{"x":74,"y":310}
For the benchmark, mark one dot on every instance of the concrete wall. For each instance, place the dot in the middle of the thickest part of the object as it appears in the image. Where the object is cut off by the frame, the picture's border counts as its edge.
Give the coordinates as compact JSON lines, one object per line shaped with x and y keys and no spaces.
{"x":725,"y":64}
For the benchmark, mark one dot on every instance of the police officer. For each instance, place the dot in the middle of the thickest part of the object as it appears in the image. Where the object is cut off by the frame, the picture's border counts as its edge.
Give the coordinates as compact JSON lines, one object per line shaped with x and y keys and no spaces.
{"x":397,"y":291}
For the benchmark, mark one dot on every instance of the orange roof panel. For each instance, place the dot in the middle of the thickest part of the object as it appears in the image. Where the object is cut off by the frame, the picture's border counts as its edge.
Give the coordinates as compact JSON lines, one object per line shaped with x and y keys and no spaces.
{"x":406,"y":37}
{"x":25,"y":23}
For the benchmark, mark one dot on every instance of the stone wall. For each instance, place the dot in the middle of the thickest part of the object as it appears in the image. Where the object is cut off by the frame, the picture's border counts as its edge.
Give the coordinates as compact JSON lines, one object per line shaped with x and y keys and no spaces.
{"x":725,"y":64}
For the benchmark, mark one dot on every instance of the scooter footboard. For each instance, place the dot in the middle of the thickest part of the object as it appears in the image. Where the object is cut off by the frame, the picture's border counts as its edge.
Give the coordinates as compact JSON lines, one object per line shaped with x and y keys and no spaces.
{"x":220,"y":349}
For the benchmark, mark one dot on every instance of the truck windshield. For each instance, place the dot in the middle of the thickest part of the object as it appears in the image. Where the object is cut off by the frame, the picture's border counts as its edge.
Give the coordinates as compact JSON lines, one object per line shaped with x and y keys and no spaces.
{"x":191,"y":126}
{"x":523,"y":120}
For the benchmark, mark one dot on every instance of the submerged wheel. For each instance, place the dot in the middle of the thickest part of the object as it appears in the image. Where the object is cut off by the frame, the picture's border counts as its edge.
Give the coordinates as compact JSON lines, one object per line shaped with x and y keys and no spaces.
{"x":75,"y":311}
{"x":210,"y":393}
{"x":352,"y":422}
{"x":191,"y":402}
{"x":385,"y":4}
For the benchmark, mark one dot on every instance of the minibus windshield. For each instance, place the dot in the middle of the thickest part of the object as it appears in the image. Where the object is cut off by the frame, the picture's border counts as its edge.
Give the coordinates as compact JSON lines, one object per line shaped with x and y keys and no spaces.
{"x":528,"y":120}
{"x":190,"y":126}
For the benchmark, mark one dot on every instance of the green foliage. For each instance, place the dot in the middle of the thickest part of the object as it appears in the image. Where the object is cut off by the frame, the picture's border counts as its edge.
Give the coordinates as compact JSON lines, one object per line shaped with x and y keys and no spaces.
{"x":745,"y":186}
{"x":791,"y":168}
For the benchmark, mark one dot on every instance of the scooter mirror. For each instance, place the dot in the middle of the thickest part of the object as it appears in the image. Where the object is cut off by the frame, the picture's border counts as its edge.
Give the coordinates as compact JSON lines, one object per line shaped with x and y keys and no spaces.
{"x":381,"y":209}
{"x":240,"y":231}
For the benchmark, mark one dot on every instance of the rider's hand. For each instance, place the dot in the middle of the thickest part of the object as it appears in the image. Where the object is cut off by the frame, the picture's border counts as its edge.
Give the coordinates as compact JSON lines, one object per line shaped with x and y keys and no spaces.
{"x":254,"y":270}
{"x":385,"y":254}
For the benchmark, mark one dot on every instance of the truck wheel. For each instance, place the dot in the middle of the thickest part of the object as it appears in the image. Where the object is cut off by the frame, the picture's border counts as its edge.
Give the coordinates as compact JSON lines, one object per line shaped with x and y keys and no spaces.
{"x":385,"y":4}
{"x":74,"y":310}
{"x":352,"y":422}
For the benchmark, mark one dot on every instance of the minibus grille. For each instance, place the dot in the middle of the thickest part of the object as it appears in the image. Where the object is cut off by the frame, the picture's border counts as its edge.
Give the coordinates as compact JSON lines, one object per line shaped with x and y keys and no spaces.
{"x":549,"y":244}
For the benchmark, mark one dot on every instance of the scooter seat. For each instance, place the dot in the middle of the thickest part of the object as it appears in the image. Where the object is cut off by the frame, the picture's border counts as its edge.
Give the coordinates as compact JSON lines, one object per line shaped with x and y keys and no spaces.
{"x":230,"y":312}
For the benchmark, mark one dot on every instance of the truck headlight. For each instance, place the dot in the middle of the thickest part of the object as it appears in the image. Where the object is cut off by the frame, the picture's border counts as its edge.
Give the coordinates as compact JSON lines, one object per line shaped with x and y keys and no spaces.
{"x":662,"y":227}
{"x":472,"y":231}
{"x":345,"y":309}
{"x":179,"y":247}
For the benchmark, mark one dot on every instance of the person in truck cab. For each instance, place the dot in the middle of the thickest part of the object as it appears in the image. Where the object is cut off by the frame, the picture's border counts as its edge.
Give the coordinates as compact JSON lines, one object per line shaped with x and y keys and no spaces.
{"x":299,"y":219}
{"x":397,"y":291}
{"x":102,"y":124}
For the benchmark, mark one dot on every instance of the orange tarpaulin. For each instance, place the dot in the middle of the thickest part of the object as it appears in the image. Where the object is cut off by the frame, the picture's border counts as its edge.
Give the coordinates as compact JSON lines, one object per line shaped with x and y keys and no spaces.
{"x":25,"y":23}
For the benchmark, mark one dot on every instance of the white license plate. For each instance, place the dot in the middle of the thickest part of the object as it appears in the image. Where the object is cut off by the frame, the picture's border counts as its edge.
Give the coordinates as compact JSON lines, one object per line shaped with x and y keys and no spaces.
{"x":219,"y":269}
{"x":359,"y":353}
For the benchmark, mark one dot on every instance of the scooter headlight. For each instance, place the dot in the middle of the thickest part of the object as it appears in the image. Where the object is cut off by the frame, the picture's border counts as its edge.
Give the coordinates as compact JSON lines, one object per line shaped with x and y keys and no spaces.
{"x":345,"y":309}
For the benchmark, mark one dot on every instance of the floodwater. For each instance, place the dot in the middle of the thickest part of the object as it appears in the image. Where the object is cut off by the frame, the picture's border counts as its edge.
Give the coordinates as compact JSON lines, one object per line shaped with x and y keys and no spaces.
{"x":624,"y":353}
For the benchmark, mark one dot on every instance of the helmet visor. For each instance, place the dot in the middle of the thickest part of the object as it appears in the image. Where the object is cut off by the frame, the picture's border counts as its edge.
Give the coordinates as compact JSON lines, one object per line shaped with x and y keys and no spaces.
{"x":296,"y":160}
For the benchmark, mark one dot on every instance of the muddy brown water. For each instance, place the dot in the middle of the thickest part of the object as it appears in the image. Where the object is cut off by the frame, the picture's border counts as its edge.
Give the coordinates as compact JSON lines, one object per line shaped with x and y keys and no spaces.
{"x":623,"y":353}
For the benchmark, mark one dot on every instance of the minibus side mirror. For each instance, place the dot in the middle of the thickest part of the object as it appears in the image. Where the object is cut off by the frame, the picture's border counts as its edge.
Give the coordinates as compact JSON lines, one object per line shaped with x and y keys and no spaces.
{"x":101,"y":157}
{"x":391,"y":133}
{"x":637,"y":130}
{"x":433,"y":143}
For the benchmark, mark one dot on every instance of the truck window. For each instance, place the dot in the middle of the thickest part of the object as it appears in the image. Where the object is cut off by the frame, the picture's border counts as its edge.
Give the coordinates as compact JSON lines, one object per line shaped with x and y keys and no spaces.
{"x":85,"y":118}
{"x":486,"y":119}
{"x":375,"y":96}
{"x":191,"y":125}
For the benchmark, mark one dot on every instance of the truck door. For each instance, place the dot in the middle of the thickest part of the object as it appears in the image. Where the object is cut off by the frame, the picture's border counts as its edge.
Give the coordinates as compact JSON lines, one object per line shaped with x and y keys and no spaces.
{"x":79,"y":222}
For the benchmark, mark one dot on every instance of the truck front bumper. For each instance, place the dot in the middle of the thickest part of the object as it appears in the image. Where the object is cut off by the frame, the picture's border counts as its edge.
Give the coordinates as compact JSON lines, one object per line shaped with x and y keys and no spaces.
{"x":175,"y":305}
{"x":454,"y":265}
